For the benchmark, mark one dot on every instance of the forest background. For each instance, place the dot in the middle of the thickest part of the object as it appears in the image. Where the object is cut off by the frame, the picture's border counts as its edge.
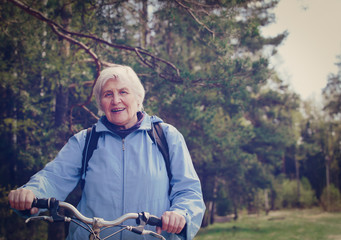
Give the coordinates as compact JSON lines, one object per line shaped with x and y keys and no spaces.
{"x":254,"y":143}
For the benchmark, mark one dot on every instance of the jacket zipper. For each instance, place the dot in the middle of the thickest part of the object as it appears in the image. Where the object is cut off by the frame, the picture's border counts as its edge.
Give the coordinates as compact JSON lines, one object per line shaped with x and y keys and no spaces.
{"x":124,"y":182}
{"x":124,"y":173}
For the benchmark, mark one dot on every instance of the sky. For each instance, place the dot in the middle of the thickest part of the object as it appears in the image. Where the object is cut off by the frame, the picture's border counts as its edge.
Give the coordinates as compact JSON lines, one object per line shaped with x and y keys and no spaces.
{"x":308,"y":55}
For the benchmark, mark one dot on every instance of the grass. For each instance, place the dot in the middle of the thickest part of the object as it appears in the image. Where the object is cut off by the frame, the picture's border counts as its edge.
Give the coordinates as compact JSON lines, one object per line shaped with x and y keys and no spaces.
{"x":308,"y":224}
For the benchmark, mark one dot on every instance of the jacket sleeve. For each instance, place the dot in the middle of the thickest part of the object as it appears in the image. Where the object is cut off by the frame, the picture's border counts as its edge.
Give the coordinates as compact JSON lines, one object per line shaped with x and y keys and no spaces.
{"x":60,"y":176}
{"x":186,"y":195}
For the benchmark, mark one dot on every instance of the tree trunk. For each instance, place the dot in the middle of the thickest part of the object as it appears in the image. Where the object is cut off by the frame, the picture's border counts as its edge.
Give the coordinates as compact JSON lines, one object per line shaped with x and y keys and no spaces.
{"x":144,"y":25}
{"x":298,"y":182}
{"x":235,"y":208}
{"x":206,"y":219}
{"x":212,"y":212}
{"x":61,"y":106}
{"x":328,"y":181}
{"x":56,"y":231}
{"x":12,"y":138}
{"x":266,"y":201}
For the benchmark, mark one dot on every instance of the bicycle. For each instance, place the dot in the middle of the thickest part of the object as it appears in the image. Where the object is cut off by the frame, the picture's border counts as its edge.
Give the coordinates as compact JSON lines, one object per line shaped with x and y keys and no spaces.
{"x":95,"y":225}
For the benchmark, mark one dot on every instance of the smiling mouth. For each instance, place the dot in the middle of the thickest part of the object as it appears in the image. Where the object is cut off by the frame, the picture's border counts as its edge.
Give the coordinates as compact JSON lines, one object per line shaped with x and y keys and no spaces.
{"x":117,"y":110}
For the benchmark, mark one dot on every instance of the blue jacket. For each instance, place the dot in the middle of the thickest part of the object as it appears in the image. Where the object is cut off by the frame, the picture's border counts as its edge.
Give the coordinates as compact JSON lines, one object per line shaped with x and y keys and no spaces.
{"x":126,"y":175}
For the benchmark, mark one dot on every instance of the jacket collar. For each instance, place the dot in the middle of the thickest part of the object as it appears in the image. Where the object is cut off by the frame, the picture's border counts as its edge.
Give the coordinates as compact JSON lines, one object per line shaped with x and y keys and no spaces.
{"x":145,"y":125}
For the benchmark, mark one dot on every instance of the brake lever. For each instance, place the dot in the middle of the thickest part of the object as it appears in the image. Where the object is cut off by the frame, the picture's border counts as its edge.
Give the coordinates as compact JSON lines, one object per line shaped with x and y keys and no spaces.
{"x":45,"y":218}
{"x":53,"y":206}
{"x":154,"y":234}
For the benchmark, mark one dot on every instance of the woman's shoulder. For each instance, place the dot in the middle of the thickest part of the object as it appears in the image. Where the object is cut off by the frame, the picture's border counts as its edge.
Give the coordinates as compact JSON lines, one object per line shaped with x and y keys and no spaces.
{"x":79,"y":137}
{"x":167,"y":127}
{"x":157,"y":120}
{"x":170,"y":131}
{"x":81,"y":134}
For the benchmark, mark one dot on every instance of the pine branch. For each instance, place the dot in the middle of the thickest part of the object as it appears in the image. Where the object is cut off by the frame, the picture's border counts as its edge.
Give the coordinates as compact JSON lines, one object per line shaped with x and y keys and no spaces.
{"x":190,"y":11}
{"x":66,"y":34}
{"x":63,"y":33}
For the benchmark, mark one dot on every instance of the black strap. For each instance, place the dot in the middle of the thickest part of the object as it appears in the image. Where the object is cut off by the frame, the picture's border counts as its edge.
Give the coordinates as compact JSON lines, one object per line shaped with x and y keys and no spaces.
{"x":89,"y":147}
{"x":161,"y":141}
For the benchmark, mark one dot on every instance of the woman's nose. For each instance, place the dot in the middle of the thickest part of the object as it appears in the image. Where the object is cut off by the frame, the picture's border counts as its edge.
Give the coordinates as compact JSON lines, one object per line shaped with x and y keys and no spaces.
{"x":115,"y":99}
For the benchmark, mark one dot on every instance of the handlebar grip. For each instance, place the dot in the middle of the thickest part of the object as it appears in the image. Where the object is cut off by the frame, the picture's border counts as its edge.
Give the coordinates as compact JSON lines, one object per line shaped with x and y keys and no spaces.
{"x":43,"y":202}
{"x":154,"y":221}
{"x":38,"y":203}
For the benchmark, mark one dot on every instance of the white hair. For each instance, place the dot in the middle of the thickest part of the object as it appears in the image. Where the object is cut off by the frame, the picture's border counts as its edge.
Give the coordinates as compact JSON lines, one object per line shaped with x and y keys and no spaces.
{"x":124,"y":74}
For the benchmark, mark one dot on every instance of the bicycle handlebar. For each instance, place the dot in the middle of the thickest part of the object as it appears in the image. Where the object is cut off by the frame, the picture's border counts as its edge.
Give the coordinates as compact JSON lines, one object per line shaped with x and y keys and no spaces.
{"x":53,"y":205}
{"x":97,"y":224}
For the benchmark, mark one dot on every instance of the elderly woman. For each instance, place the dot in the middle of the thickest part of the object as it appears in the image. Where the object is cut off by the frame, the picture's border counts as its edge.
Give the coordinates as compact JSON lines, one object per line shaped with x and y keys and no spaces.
{"x":127,"y":172}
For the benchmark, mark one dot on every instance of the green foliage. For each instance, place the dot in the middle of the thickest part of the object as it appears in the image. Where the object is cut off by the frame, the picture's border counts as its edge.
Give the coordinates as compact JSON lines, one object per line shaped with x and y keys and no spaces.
{"x":223,"y":203}
{"x":332,"y":91}
{"x":308,"y":196}
{"x":319,"y":149}
{"x":287,"y":194}
{"x":331,"y":199}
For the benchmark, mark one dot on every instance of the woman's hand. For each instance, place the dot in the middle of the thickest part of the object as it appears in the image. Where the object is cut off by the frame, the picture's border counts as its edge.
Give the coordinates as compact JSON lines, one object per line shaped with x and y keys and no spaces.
{"x":21,"y":199}
{"x":172,"y":222}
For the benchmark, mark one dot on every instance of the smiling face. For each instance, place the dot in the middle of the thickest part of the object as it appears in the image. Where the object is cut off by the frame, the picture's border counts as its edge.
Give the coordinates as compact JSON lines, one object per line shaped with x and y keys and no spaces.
{"x":119,"y":103}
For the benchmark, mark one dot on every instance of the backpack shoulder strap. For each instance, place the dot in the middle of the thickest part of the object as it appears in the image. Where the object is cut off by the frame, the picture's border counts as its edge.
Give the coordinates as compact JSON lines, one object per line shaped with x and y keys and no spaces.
{"x":162,"y":144}
{"x":89,"y":147}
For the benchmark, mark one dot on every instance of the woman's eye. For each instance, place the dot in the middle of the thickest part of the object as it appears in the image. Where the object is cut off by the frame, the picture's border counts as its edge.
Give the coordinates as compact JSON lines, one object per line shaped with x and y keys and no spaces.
{"x":107,"y":94}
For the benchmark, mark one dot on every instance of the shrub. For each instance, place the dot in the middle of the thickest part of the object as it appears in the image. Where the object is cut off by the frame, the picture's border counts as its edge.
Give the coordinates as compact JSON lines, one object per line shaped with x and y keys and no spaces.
{"x":334,"y":202}
{"x":223,"y":204}
{"x":287,"y":196}
{"x":308,"y":196}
